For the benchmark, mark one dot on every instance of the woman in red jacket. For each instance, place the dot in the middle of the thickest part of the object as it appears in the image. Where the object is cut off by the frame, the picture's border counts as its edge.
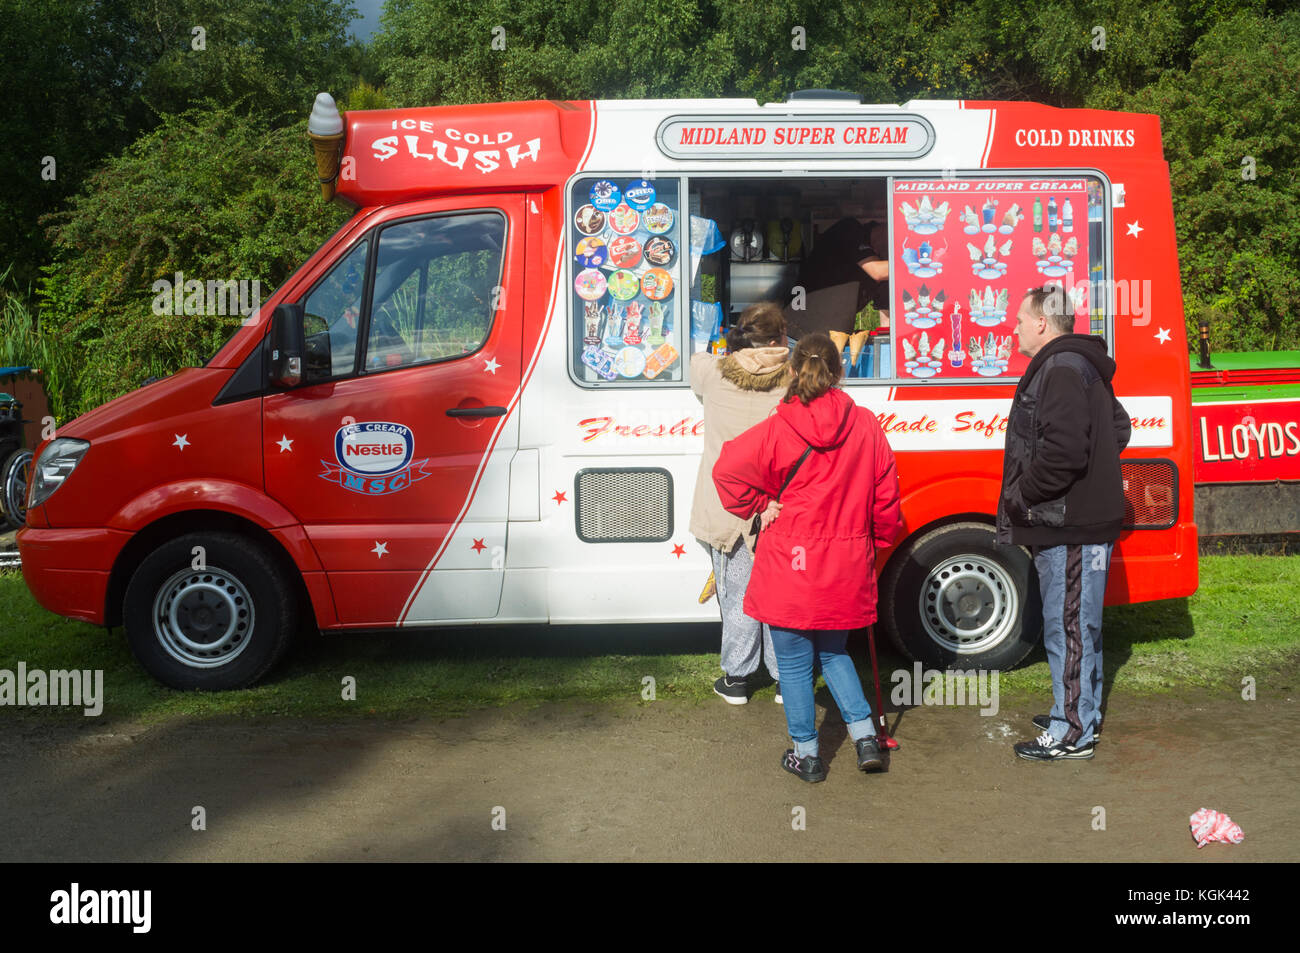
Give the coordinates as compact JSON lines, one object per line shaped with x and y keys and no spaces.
{"x":814,"y":575}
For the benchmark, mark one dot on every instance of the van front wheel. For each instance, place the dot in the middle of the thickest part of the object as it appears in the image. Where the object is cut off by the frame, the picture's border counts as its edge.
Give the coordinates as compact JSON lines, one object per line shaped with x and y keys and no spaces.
{"x":954,"y":598}
{"x":211,"y":611}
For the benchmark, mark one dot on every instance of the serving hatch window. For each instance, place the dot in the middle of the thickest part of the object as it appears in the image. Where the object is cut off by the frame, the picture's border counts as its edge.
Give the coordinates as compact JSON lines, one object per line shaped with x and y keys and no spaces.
{"x":625,"y":244}
{"x":966,"y":250}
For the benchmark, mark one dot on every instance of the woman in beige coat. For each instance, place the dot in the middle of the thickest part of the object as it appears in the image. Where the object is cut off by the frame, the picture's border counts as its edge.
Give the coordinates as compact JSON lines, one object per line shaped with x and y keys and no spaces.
{"x":738,"y":391}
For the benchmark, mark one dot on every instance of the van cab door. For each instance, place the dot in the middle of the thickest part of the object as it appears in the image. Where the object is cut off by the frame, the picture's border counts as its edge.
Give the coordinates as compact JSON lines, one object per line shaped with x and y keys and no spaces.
{"x":395,"y":452}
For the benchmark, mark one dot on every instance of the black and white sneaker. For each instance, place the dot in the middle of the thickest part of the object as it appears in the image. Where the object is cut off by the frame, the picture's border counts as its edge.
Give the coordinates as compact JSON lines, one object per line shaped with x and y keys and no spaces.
{"x":870,"y":757}
{"x":1047,"y":748}
{"x":808,"y":769}
{"x":778,"y":699}
{"x":1044,"y":723}
{"x":733,"y":691}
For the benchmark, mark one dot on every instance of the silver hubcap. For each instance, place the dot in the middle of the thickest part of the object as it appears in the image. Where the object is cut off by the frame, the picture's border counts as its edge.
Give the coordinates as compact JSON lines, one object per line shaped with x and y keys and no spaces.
{"x":203,"y":618}
{"x":968,"y":604}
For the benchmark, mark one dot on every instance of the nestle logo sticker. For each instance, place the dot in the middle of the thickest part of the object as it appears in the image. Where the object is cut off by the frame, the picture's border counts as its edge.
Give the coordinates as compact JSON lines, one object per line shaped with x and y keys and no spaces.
{"x":374,"y":458}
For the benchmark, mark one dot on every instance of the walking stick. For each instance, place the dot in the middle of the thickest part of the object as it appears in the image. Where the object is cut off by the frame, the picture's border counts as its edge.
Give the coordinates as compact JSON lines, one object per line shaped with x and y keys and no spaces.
{"x":883,"y":737}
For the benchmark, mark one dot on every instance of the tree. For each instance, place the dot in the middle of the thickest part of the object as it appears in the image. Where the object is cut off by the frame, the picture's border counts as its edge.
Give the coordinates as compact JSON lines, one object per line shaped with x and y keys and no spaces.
{"x":1231,"y":125}
{"x":86,"y":77}
{"x":213,"y":194}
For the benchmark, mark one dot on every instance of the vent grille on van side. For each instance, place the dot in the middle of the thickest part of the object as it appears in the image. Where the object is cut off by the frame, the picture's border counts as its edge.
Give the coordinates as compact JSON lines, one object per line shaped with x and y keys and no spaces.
{"x":624,"y":506}
{"x":1150,"y":493}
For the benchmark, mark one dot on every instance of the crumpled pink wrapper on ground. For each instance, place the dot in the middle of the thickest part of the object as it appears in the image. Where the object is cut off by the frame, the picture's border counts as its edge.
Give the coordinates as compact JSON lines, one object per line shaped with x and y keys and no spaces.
{"x":1209,"y":826}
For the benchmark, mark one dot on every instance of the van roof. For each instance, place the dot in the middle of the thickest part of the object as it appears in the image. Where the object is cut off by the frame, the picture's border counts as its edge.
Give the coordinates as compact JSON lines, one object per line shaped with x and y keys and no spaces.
{"x":396,"y":155}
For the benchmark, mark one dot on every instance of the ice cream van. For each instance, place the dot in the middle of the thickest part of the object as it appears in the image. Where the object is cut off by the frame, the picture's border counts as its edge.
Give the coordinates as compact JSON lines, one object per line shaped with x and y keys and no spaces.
{"x":473,"y":404}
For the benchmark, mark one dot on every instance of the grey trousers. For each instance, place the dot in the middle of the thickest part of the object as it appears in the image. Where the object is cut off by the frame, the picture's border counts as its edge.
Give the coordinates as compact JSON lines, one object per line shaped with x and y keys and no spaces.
{"x":745,"y":641}
{"x":1072,"y":580}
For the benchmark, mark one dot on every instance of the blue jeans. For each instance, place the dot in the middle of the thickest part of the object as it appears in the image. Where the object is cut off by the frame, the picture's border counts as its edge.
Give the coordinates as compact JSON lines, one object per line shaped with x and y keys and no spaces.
{"x":1072,"y":580}
{"x":795,"y":652}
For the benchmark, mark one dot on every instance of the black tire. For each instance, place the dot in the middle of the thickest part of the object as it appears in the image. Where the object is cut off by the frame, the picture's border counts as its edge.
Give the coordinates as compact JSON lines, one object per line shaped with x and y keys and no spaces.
{"x":953,"y":598}
{"x":14,"y":474}
{"x":218,"y":628}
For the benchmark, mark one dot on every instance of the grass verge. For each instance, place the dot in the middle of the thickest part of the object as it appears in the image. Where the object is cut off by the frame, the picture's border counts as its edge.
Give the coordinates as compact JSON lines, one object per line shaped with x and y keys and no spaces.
{"x":1241,"y":623}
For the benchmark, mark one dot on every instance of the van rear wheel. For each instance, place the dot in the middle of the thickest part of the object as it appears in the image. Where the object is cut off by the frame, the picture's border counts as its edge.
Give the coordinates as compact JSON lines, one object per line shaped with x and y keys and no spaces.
{"x":954,"y":598}
{"x":210,"y":611}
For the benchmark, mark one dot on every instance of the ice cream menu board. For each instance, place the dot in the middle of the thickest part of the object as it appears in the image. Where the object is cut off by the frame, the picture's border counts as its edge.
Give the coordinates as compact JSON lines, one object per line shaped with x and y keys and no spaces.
{"x":625,"y":239}
{"x":965,"y":253}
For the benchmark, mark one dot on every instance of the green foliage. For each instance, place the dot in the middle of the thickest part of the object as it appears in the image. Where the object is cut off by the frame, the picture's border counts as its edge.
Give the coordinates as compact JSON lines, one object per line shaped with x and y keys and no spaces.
{"x":23,"y":343}
{"x":212,"y":194}
{"x":1239,"y":238}
{"x":84,"y":78}
{"x":365,"y":96}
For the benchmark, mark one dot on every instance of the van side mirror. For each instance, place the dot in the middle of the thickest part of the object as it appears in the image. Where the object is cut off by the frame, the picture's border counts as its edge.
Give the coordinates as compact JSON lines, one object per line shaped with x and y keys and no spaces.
{"x":286,"y":345}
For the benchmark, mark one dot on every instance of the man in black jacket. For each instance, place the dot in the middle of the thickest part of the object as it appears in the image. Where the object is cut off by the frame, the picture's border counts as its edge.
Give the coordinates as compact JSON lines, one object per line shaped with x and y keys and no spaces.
{"x":1062,"y":496}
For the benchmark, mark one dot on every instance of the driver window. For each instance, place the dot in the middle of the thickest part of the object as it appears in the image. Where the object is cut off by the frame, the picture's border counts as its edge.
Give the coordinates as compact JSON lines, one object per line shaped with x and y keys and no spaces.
{"x":332,"y":310}
{"x":435,"y":290}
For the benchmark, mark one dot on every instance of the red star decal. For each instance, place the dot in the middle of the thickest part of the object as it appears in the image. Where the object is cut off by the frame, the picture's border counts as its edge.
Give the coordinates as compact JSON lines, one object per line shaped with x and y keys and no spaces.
{"x":679,"y":550}
{"x":478,"y":546}
{"x":559,"y":497}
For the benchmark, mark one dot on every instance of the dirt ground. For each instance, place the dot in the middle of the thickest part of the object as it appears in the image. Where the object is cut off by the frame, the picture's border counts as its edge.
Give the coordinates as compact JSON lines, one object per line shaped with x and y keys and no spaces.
{"x":660,"y":781}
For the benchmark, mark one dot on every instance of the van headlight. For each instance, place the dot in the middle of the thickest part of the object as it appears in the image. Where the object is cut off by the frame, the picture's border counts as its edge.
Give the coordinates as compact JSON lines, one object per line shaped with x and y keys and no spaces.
{"x":53,"y":466}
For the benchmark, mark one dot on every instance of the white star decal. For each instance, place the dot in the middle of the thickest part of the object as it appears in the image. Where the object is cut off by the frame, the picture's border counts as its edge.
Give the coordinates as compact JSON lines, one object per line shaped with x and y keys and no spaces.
{"x":380,"y":550}
{"x":491,"y":365}
{"x":1163,"y":335}
{"x":181,"y":440}
{"x":1134,"y":228}
{"x":285,"y":443}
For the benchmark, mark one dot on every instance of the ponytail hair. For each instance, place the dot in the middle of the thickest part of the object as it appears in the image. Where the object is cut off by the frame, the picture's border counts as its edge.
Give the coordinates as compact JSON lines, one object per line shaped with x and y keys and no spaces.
{"x":760,"y":325}
{"x":816,"y":368}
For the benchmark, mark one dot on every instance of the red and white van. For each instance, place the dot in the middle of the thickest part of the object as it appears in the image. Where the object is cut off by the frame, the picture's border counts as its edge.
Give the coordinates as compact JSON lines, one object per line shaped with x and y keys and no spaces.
{"x":472,"y":404}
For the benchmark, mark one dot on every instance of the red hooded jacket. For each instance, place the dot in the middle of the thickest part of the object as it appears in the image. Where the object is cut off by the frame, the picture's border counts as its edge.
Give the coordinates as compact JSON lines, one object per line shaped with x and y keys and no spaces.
{"x":815,"y":567}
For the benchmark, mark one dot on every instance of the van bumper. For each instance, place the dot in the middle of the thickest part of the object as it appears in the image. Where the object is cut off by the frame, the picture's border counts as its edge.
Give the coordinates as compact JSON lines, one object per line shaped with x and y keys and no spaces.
{"x":67,"y":570}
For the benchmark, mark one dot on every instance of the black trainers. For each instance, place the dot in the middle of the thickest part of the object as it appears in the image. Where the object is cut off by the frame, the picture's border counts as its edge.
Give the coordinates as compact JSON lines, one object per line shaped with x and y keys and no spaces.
{"x":870,"y":757}
{"x":778,"y":699}
{"x":808,"y":769}
{"x":1044,"y":723}
{"x":1047,"y":748}
{"x":734,"y":691}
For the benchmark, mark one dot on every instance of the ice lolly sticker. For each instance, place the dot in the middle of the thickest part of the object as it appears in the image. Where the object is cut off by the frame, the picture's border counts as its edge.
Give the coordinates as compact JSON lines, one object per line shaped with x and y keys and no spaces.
{"x":591,"y":252}
{"x":600,"y":361}
{"x":659,"y":251}
{"x":624,"y":220}
{"x":624,"y":285}
{"x":658,"y":218}
{"x":658,"y":362}
{"x":590,"y":284}
{"x":589,"y":220}
{"x":605,"y":195}
{"x":656,"y":284}
{"x":630,"y":362}
{"x":640,"y":194}
{"x":624,"y":252}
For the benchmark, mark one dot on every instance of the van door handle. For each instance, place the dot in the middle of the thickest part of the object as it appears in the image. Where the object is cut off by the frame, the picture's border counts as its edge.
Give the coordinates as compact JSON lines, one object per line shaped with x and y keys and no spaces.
{"x":476,"y":411}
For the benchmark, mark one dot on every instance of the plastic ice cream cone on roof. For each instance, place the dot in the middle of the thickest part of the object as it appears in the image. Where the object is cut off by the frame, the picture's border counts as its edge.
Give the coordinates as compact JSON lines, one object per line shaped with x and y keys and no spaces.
{"x":326,"y":132}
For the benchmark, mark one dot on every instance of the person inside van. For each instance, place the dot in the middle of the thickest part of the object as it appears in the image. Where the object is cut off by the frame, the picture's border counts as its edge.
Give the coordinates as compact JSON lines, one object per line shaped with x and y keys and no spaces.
{"x":821,"y":474}
{"x":847,"y":269}
{"x":738,"y":391}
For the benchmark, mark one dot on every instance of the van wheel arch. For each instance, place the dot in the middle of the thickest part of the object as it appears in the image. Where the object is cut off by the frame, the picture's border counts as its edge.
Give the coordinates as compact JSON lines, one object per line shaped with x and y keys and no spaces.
{"x":170,"y":527}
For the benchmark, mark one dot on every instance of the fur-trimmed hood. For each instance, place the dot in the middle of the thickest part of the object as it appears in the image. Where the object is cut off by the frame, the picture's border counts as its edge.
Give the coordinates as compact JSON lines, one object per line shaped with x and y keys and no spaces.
{"x":756,"y":368}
